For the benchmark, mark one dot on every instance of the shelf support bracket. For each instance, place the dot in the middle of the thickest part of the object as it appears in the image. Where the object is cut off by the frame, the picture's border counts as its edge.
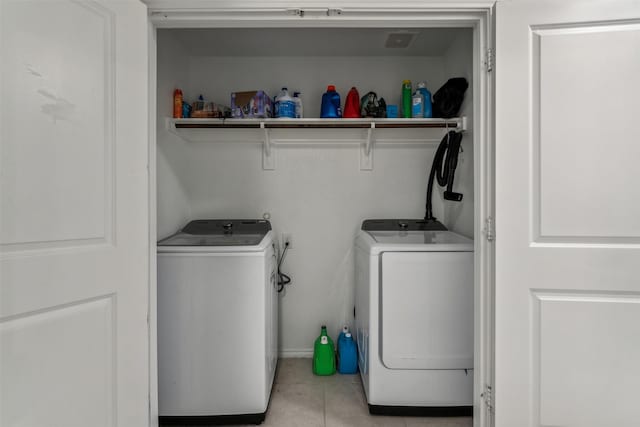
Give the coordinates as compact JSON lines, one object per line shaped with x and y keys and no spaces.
{"x":268,"y":154}
{"x":170,"y":126}
{"x":366,"y":150}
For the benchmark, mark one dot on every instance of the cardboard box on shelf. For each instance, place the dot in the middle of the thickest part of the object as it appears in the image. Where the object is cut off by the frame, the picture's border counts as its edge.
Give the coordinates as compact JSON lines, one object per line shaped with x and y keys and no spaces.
{"x":254,"y":103}
{"x":201,"y":109}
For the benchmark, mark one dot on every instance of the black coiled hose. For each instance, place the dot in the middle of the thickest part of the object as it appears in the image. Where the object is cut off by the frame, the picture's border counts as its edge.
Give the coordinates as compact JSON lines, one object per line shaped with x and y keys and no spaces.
{"x":444,"y":173}
{"x":283,"y":279}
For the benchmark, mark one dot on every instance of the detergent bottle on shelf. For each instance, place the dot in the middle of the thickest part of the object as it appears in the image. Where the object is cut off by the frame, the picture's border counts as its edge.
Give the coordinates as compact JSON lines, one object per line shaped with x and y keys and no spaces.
{"x":285,"y":106}
{"x":177,"y":104}
{"x":417,"y":105}
{"x":330,"y":108}
{"x":297,"y":100}
{"x":406,"y":99}
{"x":422,"y":87}
{"x":352,"y":105}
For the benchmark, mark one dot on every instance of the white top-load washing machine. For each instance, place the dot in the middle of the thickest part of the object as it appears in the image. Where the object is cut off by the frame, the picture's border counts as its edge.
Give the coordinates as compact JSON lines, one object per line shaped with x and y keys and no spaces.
{"x":414,"y":318}
{"x":217,"y":322}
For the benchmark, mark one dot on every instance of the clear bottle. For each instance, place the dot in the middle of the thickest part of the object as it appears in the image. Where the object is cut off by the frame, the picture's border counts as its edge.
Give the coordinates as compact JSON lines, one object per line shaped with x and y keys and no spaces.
{"x":417,"y":105}
{"x":298,"y":103}
{"x":428,"y":112}
{"x":285,"y":107}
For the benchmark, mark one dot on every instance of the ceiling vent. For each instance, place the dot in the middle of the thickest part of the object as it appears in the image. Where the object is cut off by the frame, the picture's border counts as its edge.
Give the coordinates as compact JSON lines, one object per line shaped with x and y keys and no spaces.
{"x":399,"y":39}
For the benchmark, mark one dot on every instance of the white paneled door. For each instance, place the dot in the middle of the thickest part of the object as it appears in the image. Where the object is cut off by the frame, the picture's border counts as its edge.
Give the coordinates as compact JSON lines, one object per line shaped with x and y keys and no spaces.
{"x":567,"y":213}
{"x":74,"y":213}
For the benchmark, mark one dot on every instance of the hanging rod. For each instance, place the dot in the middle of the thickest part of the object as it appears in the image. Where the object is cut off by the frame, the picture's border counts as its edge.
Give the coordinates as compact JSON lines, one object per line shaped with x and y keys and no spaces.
{"x":458,"y":123}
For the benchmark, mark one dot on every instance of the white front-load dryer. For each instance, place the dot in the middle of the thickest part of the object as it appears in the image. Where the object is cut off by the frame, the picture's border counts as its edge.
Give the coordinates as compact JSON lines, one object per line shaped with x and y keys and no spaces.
{"x":414,"y":318}
{"x":217,"y":322}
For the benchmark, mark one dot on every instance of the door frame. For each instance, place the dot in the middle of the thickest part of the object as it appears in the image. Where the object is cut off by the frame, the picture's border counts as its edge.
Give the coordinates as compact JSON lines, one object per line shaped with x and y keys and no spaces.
{"x":153,"y":229}
{"x":478,"y":16}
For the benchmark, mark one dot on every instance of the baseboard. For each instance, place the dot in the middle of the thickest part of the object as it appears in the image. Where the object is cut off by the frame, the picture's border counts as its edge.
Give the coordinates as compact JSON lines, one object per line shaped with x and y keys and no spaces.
{"x":296,"y":353}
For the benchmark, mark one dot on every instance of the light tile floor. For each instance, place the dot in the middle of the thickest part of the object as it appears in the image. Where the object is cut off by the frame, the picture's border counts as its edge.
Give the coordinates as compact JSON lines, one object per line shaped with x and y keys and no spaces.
{"x":300,"y":398}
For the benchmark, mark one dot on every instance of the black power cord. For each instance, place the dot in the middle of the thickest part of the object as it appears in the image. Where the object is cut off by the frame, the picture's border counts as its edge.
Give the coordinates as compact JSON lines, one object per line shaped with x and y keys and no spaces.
{"x":283,"y":279}
{"x":450,"y":145}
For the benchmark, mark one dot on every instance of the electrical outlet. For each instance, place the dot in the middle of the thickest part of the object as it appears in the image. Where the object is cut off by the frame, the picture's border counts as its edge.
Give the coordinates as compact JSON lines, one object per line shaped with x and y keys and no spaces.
{"x":286,"y":238}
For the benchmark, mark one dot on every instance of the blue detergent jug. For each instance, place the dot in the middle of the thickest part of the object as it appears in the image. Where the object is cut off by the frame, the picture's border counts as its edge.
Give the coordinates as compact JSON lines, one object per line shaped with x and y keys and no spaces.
{"x":343,"y":332}
{"x":427,"y":111}
{"x":348,"y":362}
{"x":285,"y":106}
{"x":330,"y":108}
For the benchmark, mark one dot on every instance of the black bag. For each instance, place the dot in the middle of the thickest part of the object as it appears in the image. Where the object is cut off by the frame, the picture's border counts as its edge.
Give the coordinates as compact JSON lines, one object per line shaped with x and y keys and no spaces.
{"x":448,"y":99}
{"x":371,"y":106}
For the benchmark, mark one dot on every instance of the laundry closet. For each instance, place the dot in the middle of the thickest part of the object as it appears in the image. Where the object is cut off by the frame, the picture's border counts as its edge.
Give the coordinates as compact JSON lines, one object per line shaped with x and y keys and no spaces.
{"x":315,"y":182}
{"x":319,"y":184}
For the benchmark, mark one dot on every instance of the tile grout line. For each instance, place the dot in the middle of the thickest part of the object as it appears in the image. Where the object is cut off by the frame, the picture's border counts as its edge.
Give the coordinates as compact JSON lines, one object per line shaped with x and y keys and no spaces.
{"x":324,"y":404}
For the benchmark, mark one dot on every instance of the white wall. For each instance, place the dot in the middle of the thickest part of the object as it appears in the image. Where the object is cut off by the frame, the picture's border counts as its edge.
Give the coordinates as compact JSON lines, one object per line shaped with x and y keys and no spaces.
{"x":317,"y":191}
{"x":173,"y":203}
{"x":457,"y":63}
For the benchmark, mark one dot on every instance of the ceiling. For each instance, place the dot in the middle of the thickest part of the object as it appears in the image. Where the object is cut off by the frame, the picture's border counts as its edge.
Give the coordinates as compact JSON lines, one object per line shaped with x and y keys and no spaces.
{"x":314,"y":41}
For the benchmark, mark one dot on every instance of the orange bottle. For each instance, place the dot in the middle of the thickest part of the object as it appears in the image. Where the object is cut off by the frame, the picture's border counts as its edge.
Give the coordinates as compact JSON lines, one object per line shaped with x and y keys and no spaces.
{"x":177,"y":104}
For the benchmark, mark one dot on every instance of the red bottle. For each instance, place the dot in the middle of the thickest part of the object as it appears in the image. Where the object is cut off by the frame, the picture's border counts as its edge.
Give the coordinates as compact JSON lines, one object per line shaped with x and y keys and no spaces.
{"x":177,"y":104}
{"x":352,"y":105}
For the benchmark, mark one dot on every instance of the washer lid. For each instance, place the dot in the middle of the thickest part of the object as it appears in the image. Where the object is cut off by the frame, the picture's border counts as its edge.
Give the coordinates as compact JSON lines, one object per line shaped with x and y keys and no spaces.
{"x":420,"y":238}
{"x":220,"y":232}
{"x":185,"y":239}
{"x":228,"y":226}
{"x":402,"y":224}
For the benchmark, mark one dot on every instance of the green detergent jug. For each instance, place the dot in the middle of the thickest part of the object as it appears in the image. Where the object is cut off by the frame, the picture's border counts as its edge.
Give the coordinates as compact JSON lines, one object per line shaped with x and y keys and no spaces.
{"x":324,"y":360}
{"x":323,"y":333}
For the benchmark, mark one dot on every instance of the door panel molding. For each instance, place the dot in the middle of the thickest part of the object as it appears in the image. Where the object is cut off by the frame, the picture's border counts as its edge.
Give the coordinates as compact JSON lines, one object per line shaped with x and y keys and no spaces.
{"x":564,"y":138}
{"x":561,"y":352}
{"x":79,"y":341}
{"x":65,"y":97}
